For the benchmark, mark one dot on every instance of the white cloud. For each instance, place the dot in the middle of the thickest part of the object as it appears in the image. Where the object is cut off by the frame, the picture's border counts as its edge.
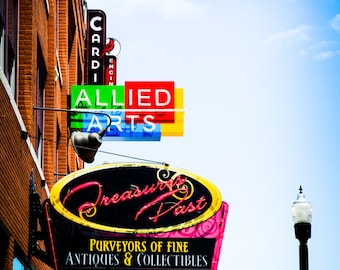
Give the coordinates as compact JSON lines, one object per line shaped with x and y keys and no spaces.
{"x":335,"y":23}
{"x":302,"y":35}
{"x":322,"y":44}
{"x":324,"y":55}
{"x":289,"y":37}
{"x":321,"y":50}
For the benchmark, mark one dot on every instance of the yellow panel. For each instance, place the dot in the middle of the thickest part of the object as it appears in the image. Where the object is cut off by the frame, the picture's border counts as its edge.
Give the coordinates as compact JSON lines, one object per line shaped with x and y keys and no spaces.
{"x":177,"y":128}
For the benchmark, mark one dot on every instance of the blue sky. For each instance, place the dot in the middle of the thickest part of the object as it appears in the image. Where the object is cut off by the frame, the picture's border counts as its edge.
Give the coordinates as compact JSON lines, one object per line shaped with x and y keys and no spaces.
{"x":262,"y":115}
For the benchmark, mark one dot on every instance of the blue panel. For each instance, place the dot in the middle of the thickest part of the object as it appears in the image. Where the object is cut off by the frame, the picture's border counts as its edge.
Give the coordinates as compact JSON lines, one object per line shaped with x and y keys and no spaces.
{"x":119,"y":129}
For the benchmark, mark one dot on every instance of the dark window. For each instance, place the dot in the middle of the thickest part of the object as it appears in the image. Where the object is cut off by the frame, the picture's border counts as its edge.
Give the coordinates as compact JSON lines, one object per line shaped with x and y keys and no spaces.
{"x":58,"y":137}
{"x":2,"y":39}
{"x":4,"y":241}
{"x":57,"y":22}
{"x":71,"y":27}
{"x":79,"y":73}
{"x":41,"y":80}
{"x":20,"y":261}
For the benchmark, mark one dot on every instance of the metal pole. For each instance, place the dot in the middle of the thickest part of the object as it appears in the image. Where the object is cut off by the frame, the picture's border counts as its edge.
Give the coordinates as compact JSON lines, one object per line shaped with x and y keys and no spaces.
{"x":77,"y":111}
{"x":303,"y":233}
{"x":303,"y":256}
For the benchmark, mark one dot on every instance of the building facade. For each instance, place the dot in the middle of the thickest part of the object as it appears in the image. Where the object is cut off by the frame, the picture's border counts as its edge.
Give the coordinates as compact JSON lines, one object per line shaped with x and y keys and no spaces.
{"x":42,"y":54}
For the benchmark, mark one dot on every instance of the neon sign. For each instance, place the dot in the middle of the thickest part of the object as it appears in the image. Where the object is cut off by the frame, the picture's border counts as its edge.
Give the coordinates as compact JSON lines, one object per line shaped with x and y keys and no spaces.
{"x":139,"y":110}
{"x":96,"y":37}
{"x":109,"y":52}
{"x":157,"y":199}
{"x":137,"y":216}
{"x":138,"y":253}
{"x":155,"y":98}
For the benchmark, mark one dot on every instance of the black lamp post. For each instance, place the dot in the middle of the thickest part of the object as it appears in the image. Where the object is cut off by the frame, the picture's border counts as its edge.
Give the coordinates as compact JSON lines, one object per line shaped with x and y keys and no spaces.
{"x":302,"y":217}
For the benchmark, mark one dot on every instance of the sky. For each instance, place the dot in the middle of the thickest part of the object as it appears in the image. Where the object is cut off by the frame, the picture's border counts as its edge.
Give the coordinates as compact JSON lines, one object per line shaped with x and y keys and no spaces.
{"x":262,"y":113}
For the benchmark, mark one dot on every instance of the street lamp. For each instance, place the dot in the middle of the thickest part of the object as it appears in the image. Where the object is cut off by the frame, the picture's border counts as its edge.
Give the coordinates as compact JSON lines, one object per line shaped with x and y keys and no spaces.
{"x":302,"y":217}
{"x":84,"y":144}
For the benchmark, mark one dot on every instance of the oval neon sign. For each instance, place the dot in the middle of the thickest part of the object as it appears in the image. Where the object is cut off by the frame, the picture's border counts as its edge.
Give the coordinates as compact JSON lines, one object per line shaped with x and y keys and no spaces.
{"x":135,"y":198}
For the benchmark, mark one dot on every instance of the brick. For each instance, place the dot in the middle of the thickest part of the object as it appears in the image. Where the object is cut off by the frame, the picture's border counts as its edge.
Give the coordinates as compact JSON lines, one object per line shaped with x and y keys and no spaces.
{"x":16,"y":161}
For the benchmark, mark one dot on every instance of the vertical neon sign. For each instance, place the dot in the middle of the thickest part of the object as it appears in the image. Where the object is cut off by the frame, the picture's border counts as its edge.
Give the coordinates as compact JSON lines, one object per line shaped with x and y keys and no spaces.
{"x":96,"y":37}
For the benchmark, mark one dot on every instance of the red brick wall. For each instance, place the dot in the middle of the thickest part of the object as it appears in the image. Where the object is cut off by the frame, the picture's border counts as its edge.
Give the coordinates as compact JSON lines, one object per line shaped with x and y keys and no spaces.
{"x":42,"y":28}
{"x":16,"y":165}
{"x":17,"y":159}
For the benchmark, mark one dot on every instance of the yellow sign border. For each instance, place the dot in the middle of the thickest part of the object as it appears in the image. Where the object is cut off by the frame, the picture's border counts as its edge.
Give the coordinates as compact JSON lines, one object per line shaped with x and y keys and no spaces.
{"x":208,"y":213}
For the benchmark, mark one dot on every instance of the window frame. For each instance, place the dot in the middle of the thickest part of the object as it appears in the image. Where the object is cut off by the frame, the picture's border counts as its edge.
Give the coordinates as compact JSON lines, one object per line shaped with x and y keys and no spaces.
{"x":8,"y":42}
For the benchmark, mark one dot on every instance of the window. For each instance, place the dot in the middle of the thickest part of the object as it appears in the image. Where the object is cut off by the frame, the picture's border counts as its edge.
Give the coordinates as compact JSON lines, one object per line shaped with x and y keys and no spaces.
{"x":71,"y":28}
{"x":17,"y":265}
{"x":58,"y":137}
{"x":4,"y":241}
{"x":8,"y":41}
{"x":57,"y":22}
{"x":79,"y":73}
{"x":20,"y":260}
{"x":2,"y":44}
{"x":2,"y":33}
{"x":41,"y":80}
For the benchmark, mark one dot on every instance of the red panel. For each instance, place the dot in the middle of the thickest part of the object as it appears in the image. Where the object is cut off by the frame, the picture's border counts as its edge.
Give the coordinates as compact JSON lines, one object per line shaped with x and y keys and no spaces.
{"x":154,"y":100}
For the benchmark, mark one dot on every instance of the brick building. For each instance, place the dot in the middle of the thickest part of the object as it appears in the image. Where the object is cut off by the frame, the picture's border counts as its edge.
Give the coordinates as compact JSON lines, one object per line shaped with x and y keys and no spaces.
{"x":42,"y":49}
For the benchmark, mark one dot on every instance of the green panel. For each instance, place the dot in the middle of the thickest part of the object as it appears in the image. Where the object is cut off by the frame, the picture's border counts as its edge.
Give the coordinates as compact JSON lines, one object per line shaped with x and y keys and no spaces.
{"x":97,"y":97}
{"x":76,"y":121}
